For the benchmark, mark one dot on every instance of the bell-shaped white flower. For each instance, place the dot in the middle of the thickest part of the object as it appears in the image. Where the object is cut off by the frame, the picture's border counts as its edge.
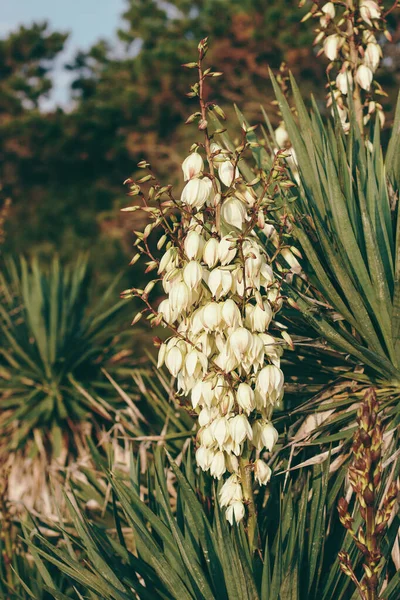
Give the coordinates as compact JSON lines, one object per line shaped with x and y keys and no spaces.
{"x":202,"y":393}
{"x":192,"y":166}
{"x":231,"y":314}
{"x":231,"y":491}
{"x":240,"y":341}
{"x":217,"y":466}
{"x":372,"y":56}
{"x":227,"y":173}
{"x":261,"y":317}
{"x":210,"y":252}
{"x":194,"y":245}
{"x":269,"y":384}
{"x":195,"y":363}
{"x":219,"y":282}
{"x":369,"y":9}
{"x":235,"y":512}
{"x":174,"y":361}
{"x":226,"y":360}
{"x":240,"y":429}
{"x":332,"y":44}
{"x":245,"y":397}
{"x":264,"y":435}
{"x":220,"y":429}
{"x":204,"y":457}
{"x":234,"y":212}
{"x":179,"y":296}
{"x":227,"y":250}
{"x":164,"y":309}
{"x":205,"y":416}
{"x":211,"y":316}
{"x":192,"y":274}
{"x":196,"y":192}
{"x":262,"y":472}
{"x":364,"y":77}
{"x":343,"y":81}
{"x":269,"y":436}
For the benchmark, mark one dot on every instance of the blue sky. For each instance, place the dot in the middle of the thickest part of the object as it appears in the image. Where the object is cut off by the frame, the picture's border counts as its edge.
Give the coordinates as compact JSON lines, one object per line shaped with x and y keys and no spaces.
{"x":86,"y":20}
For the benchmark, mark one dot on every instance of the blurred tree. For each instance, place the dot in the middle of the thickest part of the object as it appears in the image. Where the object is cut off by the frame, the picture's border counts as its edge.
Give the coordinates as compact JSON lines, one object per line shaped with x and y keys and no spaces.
{"x":64,"y":171}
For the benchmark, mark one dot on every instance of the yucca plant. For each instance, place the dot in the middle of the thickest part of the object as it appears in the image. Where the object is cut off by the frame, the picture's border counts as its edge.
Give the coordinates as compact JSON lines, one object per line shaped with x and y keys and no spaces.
{"x":56,"y":340}
{"x":178,"y":544}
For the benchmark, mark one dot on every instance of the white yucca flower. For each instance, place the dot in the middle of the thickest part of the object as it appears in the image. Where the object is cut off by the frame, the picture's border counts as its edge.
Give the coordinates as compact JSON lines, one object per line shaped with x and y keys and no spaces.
{"x":369,"y":10}
{"x":364,"y":77}
{"x":221,"y":298}
{"x":192,"y":166}
{"x":196,"y":192}
{"x":332,"y":45}
{"x":344,"y":80}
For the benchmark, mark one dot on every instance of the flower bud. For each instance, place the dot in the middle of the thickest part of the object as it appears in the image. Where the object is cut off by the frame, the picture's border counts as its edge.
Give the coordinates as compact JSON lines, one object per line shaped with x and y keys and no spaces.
{"x":161,"y":355}
{"x":262,"y":472}
{"x":210,"y":253}
{"x":227,"y":173}
{"x":234,"y":212}
{"x":192,"y":274}
{"x":174,"y":361}
{"x":196,"y":192}
{"x":217,"y":466}
{"x":168,"y":260}
{"x":192,"y":166}
{"x":364,"y":77}
{"x":245,"y":397}
{"x":194,"y":245}
{"x":235,"y":512}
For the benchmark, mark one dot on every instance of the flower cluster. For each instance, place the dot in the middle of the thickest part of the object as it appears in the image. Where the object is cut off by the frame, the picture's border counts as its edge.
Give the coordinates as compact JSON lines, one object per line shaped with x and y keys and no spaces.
{"x":222,"y":296}
{"x":348,"y":33}
{"x":221,"y":300}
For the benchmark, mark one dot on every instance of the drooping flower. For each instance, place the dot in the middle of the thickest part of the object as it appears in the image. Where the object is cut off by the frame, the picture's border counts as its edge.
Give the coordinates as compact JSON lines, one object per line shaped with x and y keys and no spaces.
{"x":192,"y":166}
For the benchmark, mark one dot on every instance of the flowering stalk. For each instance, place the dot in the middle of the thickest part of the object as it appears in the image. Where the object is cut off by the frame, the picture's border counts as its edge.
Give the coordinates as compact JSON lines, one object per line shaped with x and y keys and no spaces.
{"x":222,"y":297}
{"x":365,"y":475}
{"x":348,"y":31}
